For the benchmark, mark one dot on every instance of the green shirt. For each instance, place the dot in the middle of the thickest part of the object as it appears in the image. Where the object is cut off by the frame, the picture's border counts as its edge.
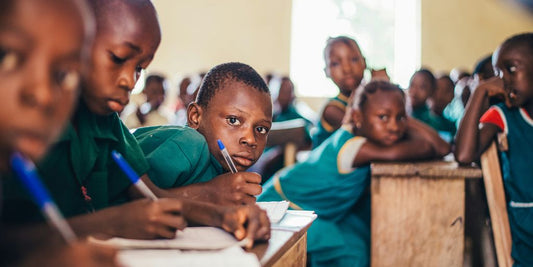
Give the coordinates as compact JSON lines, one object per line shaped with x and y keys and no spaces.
{"x":178,"y":155}
{"x":81,"y":161}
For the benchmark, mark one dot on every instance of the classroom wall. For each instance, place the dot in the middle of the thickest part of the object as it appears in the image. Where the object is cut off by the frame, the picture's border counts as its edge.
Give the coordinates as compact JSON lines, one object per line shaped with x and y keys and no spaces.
{"x":456,"y":33}
{"x":198,"y":34}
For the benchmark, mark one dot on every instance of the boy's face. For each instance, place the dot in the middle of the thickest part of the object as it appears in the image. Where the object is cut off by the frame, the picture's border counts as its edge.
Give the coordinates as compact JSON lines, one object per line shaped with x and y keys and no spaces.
{"x":345,"y":66}
{"x":419,"y":90}
{"x":514,"y":65}
{"x":41,"y":44}
{"x":443,"y":95}
{"x":125,"y":44}
{"x":383,"y":119}
{"x":238,"y":115}
{"x":155,"y":93}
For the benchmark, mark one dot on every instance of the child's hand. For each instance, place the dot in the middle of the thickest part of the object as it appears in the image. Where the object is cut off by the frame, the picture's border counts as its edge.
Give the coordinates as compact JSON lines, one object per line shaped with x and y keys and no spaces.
{"x":250,"y":222}
{"x":494,"y":88}
{"x":235,"y":188}
{"x":78,"y":254}
{"x":147,"y":219}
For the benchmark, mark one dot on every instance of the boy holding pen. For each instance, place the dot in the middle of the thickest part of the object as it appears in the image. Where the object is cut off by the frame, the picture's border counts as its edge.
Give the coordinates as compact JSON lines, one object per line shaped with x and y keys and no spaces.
{"x":40,"y":69}
{"x":79,"y":170}
{"x":233,"y":104}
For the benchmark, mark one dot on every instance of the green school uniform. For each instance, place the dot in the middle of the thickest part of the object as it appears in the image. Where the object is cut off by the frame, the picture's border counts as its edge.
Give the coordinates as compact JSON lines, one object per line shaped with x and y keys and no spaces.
{"x":323,"y":128}
{"x":79,"y":171}
{"x":178,"y":155}
{"x":339,"y":195}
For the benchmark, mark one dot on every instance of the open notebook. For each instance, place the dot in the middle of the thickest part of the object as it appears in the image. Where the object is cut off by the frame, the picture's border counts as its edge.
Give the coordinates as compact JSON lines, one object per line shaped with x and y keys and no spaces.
{"x":275,"y":209}
{"x":194,"y":238}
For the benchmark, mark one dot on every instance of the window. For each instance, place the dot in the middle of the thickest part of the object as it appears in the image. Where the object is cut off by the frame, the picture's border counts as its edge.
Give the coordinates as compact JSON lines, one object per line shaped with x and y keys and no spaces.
{"x":388,"y":32}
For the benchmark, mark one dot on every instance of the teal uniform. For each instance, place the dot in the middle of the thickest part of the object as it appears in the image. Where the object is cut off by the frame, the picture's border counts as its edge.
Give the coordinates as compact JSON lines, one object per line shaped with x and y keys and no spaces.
{"x":323,"y":129}
{"x":178,"y":155}
{"x":339,"y":195}
{"x":445,"y":127}
{"x":518,"y":180}
{"x":79,"y":171}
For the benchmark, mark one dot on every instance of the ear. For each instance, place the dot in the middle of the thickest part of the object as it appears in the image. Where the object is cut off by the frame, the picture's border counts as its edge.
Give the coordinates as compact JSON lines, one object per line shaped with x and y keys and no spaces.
{"x":194,"y":115}
{"x":357,"y":118}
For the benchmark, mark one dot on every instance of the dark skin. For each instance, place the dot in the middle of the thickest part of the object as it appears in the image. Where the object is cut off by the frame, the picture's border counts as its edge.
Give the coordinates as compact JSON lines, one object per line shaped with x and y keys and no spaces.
{"x":391,"y":134}
{"x":41,"y":77}
{"x":241,"y":117}
{"x":513,"y":84}
{"x":345,"y":66}
{"x":126,"y":41}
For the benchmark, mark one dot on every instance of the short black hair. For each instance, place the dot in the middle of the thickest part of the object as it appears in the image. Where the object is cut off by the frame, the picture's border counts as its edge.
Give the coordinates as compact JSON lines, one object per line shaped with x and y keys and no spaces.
{"x":429,"y":75}
{"x":226,"y":72}
{"x":339,"y":39}
{"x":371,"y":88}
{"x":523,"y":38}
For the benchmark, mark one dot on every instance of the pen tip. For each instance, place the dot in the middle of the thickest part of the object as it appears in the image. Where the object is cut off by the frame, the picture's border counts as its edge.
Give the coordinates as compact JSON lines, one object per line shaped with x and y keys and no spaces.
{"x":220,"y":145}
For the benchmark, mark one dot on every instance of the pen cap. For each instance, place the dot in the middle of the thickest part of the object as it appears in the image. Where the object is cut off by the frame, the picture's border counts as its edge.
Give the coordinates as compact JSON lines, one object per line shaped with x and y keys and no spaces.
{"x":220,"y":144}
{"x":27,"y":174}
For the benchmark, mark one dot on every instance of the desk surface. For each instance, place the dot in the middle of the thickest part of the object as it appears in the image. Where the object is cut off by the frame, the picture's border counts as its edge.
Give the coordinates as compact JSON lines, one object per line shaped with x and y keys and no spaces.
{"x":425,"y":169}
{"x":281,"y":241}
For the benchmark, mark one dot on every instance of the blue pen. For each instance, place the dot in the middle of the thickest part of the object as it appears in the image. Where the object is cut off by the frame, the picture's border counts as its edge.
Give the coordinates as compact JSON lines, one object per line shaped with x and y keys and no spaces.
{"x":27,"y":174}
{"x":126,"y":168}
{"x":227,"y":157}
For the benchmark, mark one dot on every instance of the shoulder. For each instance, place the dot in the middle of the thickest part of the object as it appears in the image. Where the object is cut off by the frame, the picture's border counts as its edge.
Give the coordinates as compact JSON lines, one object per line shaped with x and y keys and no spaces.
{"x":348,"y":151}
{"x":496,"y":115}
{"x":181,"y":136}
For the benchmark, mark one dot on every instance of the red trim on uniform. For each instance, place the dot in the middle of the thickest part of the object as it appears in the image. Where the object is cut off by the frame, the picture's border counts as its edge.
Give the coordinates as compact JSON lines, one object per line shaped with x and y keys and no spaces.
{"x":493,"y":116}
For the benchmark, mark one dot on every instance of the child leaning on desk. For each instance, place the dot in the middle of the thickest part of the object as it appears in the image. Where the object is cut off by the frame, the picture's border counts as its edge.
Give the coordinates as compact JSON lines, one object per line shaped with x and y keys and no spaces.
{"x":78,"y":170}
{"x":40,"y":69}
{"x":334,"y":180}
{"x":512,"y":122}
{"x":233,"y":105}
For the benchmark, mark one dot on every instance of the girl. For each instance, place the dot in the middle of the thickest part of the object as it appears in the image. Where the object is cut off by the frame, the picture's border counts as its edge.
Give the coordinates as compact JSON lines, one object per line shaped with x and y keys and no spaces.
{"x":511,"y":121}
{"x":334,"y":180}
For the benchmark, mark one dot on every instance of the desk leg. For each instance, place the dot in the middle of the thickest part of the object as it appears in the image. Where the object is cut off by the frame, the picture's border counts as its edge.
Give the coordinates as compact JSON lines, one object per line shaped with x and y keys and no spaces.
{"x":417,"y":221}
{"x":296,"y":255}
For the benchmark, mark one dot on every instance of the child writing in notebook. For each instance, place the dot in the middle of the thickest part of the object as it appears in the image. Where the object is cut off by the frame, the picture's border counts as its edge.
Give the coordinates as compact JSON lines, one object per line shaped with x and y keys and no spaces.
{"x":233,"y":105}
{"x":79,"y":170}
{"x":334,"y":180}
{"x":511,"y":120}
{"x":41,"y":65}
{"x":345,"y":66}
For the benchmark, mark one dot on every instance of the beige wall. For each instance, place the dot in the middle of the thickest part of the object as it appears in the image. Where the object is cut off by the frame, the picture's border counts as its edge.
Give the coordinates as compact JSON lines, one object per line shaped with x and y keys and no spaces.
{"x":198,"y":34}
{"x":456,"y":33}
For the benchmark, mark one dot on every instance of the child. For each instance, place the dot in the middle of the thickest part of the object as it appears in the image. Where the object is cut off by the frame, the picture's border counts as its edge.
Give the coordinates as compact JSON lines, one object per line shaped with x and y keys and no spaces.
{"x":43,"y":46}
{"x":233,"y":105}
{"x":438,"y":101}
{"x":334,"y":180}
{"x":345,"y":65}
{"x":512,"y":122}
{"x":150,"y":113}
{"x":421,"y":87}
{"x":79,"y":170}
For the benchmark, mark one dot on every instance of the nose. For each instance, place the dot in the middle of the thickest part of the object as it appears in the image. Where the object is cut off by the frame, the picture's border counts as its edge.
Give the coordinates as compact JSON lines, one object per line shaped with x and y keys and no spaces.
{"x":38,"y":90}
{"x":346,"y":67}
{"x":393,"y":125}
{"x":127,"y":79}
{"x":248,"y":138}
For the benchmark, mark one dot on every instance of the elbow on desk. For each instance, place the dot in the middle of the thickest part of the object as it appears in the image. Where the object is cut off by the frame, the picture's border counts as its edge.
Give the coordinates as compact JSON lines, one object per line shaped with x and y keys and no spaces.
{"x":464,"y":157}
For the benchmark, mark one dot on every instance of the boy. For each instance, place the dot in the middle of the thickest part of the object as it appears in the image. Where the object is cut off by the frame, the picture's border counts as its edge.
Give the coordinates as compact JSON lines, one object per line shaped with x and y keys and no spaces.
{"x":233,"y":105}
{"x":79,"y":171}
{"x":43,"y":46}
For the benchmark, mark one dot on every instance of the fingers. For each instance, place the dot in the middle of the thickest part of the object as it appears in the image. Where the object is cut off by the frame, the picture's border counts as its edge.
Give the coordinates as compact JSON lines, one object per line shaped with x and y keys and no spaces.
{"x":251,"y":177}
{"x":170,"y":205}
{"x":251,"y":189}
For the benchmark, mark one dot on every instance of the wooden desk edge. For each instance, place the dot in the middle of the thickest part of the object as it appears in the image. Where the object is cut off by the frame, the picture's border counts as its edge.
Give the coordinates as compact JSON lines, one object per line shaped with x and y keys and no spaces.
{"x":425,"y":169}
{"x":260,"y":249}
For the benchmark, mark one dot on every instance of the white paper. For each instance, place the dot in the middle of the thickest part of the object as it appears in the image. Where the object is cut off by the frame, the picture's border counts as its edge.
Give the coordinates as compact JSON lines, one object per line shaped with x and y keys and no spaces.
{"x":197,"y":238}
{"x":233,"y":256}
{"x":275,"y":209}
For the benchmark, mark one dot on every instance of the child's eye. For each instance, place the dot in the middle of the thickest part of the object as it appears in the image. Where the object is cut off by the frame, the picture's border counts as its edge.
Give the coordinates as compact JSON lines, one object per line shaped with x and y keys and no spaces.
{"x":334,"y":64}
{"x":262,"y":130}
{"x":116,"y":59}
{"x":355,"y":59}
{"x":8,"y":60}
{"x":68,"y":80}
{"x":233,"y":121}
{"x":383,"y":117}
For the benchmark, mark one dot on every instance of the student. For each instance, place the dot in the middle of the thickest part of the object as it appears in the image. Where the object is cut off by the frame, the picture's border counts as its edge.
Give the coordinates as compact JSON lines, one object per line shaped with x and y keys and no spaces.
{"x":438,"y":101}
{"x":421,"y":87}
{"x":334,"y":180}
{"x":43,"y":46}
{"x":512,"y":121}
{"x":79,"y":170}
{"x":151,"y":112}
{"x":233,"y":105}
{"x":345,"y":66}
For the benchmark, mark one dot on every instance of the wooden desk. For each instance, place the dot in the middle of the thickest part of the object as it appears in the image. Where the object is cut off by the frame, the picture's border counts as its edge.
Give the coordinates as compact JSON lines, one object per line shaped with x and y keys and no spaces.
{"x":285,"y":247}
{"x":418,"y":213}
